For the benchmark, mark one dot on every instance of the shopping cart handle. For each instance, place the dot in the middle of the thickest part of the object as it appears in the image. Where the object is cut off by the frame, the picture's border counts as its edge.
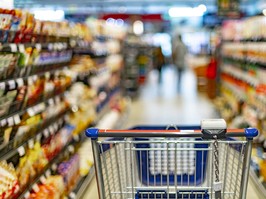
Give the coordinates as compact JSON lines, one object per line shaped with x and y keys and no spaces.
{"x":94,"y":133}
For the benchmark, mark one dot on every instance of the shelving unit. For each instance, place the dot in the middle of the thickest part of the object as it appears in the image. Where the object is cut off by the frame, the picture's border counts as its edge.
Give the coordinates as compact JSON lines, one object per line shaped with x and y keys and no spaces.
{"x":37,"y":121}
{"x":138,"y":62}
{"x":243,"y":87}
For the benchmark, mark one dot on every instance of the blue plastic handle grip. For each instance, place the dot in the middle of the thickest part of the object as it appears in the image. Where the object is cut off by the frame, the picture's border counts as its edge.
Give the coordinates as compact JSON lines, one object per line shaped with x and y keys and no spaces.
{"x":250,"y":133}
{"x":92,"y":133}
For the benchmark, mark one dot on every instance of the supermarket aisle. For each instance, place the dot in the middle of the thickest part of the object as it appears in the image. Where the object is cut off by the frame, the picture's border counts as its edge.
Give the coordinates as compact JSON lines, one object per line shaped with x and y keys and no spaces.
{"x":162,"y":104}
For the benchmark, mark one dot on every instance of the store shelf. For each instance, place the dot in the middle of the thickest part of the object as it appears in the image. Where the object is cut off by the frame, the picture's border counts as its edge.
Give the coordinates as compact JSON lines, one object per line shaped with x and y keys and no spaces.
{"x":13,"y":47}
{"x":48,"y":130}
{"x":82,"y":185}
{"x":35,"y":70}
{"x":261,"y":189}
{"x":244,"y":61}
{"x":35,"y":108}
{"x":241,"y":75}
{"x":90,"y":53}
{"x":48,"y":168}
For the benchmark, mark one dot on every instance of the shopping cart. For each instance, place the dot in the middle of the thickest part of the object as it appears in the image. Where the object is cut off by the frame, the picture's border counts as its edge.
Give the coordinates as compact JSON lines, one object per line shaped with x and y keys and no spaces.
{"x":174,"y":162}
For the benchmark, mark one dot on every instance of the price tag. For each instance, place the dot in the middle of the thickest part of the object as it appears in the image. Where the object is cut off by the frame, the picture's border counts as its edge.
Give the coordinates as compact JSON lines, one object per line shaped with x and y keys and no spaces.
{"x":71,"y":149}
{"x":30,"y":81}
{"x":76,"y":138}
{"x":13,"y":47}
{"x":42,"y":106}
{"x":48,"y":173}
{"x":20,"y":82}
{"x":54,"y":167}
{"x":51,"y":101}
{"x":51,"y":130}
{"x":43,"y":179}
{"x":31,"y":112}
{"x":55,"y":46}
{"x":39,"y":137}
{"x":38,"y":47}
{"x":34,"y":77}
{"x":35,"y":187}
{"x":57,"y":99}
{"x":55,"y":126}
{"x":12,"y":84}
{"x":2,"y":86}
{"x":21,"y":151}
{"x":46,"y":133}
{"x":10,"y":121}
{"x":21,"y":48}
{"x":27,"y":195}
{"x":50,"y":46}
{"x":17,"y":119}
{"x":3,"y":122}
{"x":31,"y":143}
{"x":72,"y":195}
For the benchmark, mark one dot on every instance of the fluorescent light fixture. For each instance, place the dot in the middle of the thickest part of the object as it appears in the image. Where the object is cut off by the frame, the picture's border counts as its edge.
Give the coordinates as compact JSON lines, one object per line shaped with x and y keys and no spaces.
{"x":110,"y":21}
{"x":49,"y":15}
{"x":187,"y":11}
{"x":119,"y":22}
{"x":122,"y":9}
{"x":264,"y":12}
{"x":7,"y":4}
{"x":202,"y":7}
{"x":138,"y":27}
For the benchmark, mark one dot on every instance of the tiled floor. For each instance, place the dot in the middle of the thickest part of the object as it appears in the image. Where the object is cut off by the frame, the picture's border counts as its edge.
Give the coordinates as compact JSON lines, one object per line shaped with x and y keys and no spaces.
{"x":162,"y":104}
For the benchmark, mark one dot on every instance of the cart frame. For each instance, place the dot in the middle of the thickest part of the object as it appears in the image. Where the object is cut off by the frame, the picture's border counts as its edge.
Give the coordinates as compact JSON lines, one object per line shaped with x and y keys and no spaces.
{"x":208,"y":133}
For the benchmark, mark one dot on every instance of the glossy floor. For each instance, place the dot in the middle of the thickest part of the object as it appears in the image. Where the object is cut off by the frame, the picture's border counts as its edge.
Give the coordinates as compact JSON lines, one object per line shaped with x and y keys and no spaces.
{"x":163,"y":104}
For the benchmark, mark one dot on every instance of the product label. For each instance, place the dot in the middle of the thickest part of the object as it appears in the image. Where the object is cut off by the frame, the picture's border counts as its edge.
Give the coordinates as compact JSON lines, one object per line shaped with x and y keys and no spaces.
{"x":71,"y":149}
{"x":76,"y":138}
{"x":48,"y":173}
{"x":54,"y":167}
{"x":27,"y":194}
{"x":72,"y":195}
{"x":31,"y":112}
{"x":38,"y":47}
{"x":3,"y":122}
{"x":31,"y":143}
{"x":43,"y":179}
{"x":2,"y":86}
{"x":46,"y":133}
{"x":21,"y":48}
{"x":35,"y":188}
{"x":39,"y":137}
{"x":21,"y":151}
{"x":17,"y":119}
{"x":20,"y":82}
{"x":13,"y":47}
{"x":10,"y":121}
{"x":51,"y":130}
{"x":12,"y":84}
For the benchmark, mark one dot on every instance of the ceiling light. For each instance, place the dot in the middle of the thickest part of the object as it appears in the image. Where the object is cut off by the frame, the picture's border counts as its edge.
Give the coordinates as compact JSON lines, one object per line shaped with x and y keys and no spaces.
{"x":49,"y":15}
{"x":202,"y":7}
{"x":122,"y":9}
{"x":110,"y":21}
{"x":138,"y":27}
{"x":187,"y":11}
{"x":119,"y":22}
{"x":7,"y":4}
{"x":264,"y":12}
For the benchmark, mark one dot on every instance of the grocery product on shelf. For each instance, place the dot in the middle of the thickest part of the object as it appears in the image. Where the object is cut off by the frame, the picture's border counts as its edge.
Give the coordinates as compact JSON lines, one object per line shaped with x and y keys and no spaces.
{"x":8,"y":180}
{"x":242,"y":94}
{"x":56,"y":79}
{"x":138,"y":62}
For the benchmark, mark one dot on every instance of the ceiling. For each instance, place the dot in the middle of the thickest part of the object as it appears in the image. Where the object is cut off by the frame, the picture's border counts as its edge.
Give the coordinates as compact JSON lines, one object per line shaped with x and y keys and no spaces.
{"x":118,"y":6}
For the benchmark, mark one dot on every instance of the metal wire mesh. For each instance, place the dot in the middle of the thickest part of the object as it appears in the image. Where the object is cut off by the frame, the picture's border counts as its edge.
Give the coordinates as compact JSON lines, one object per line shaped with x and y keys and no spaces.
{"x":170,"y":168}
